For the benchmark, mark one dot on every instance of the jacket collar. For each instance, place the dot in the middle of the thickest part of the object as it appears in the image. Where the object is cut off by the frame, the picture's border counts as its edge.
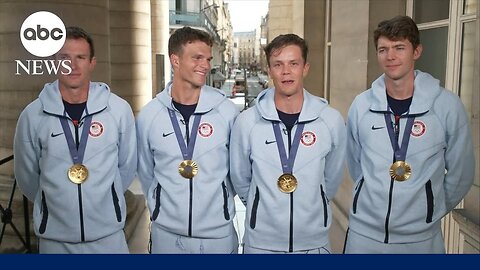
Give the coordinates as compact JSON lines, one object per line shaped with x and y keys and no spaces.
{"x":209,"y":98}
{"x":426,"y":89}
{"x":311,"y":109}
{"x":51,"y":99}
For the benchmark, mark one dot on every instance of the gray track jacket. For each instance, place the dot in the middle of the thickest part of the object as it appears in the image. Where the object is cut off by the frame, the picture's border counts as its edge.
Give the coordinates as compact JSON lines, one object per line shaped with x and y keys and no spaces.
{"x":64,"y":211}
{"x":202,"y":207}
{"x":275,"y":220}
{"x":440,"y":153}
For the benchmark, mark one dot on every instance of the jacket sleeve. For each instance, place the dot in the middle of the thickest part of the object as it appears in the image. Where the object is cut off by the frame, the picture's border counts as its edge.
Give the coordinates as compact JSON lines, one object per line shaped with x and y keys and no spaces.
{"x":26,"y":157}
{"x":335,"y":160}
{"x":127,"y":154}
{"x":353,"y":144}
{"x":240,"y":162}
{"x":459,"y":157}
{"x":145,"y":163}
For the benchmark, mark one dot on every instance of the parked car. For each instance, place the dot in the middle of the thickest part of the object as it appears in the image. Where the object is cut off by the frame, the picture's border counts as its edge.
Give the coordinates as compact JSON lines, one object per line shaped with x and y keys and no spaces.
{"x":240,"y":83}
{"x":235,"y":72}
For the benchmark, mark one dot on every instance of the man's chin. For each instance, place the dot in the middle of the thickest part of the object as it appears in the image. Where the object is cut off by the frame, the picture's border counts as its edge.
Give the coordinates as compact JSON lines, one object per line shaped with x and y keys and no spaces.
{"x":72,"y":86}
{"x":198,"y":84}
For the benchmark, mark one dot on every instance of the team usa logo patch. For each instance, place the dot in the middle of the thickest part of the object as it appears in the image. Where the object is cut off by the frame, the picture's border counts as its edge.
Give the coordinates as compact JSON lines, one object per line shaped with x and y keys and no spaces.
{"x":205,"y":130}
{"x":96,"y":129}
{"x":418,"y":128}
{"x":308,"y":138}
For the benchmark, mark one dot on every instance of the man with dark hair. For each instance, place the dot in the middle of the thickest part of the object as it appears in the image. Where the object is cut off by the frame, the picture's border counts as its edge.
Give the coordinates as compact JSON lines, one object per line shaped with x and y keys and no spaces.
{"x":410,"y":151}
{"x":183,"y":142}
{"x":74,"y":32}
{"x":75,"y":156}
{"x":287,"y":158}
{"x":185,"y":36}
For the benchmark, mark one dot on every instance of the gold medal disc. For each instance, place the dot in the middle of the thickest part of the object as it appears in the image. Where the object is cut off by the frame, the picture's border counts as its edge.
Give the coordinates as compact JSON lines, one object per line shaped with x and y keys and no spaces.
{"x":78,"y":173}
{"x":287,"y":183}
{"x":400,"y":171}
{"x":188,"y":169}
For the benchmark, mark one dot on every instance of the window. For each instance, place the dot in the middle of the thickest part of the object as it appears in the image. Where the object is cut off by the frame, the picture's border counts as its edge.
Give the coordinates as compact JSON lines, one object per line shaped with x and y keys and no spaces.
{"x":430,"y":10}
{"x":466,"y":86}
{"x":434,"y":56}
{"x":445,"y":39}
{"x":470,"y":6}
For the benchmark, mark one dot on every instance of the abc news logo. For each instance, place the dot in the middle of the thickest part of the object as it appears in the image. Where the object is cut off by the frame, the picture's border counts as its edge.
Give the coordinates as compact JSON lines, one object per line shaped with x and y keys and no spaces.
{"x":43,"y":34}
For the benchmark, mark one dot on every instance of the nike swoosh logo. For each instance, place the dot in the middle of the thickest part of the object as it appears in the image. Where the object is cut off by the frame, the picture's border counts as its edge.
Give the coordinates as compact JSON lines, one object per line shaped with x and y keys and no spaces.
{"x":166,"y":135}
{"x":55,"y":135}
{"x":269,"y":142}
{"x":375,"y":128}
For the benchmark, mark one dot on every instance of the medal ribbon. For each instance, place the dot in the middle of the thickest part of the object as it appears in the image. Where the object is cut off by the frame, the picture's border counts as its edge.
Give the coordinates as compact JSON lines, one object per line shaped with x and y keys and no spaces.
{"x":76,"y":154}
{"x":399,"y":152}
{"x":187,"y":152}
{"x":287,"y":163}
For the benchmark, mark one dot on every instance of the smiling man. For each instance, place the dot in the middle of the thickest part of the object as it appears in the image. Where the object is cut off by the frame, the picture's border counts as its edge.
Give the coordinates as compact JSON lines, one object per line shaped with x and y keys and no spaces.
{"x":75,"y":156}
{"x":410,"y":151}
{"x":287,"y":158}
{"x":183,"y":140}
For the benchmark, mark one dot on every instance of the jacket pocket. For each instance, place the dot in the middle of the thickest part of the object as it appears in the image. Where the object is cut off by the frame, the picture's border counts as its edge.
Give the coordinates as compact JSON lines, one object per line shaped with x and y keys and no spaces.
{"x":116,"y":203}
{"x":325,"y":208}
{"x":253,"y":216}
{"x":44,"y":211}
{"x":357,"y":194}
{"x":225,"y":201}
{"x":157,"y":191}
{"x":429,"y":193}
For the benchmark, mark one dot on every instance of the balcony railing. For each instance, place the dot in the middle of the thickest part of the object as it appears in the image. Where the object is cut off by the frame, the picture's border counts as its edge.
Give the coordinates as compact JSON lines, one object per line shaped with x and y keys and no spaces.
{"x":193,"y":19}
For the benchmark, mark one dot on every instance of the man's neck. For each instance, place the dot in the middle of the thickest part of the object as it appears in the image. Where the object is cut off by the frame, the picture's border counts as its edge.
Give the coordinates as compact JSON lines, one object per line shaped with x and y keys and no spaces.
{"x":400,"y":89}
{"x":74,"y":95}
{"x":289,"y":104}
{"x":184,"y":93}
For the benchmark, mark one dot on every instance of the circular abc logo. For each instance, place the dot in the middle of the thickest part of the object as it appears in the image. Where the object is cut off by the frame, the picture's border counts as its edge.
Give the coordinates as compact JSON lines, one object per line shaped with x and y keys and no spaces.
{"x":43,"y":34}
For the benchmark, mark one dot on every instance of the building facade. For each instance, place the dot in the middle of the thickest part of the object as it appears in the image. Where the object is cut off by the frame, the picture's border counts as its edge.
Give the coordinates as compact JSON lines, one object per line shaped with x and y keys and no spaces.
{"x":263,"y":43}
{"x":245,"y":46}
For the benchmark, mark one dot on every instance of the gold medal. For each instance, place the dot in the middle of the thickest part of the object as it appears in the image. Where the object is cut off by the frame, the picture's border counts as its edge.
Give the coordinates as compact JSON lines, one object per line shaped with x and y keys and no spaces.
{"x":188,"y":169}
{"x":287,"y":183}
{"x":400,"y":171}
{"x":78,"y":173}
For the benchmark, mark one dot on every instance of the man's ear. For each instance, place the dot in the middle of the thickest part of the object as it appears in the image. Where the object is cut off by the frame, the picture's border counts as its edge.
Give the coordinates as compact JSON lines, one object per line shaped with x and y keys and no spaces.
{"x":93,"y":62}
{"x":417,"y":52}
{"x":174,"y":60}
{"x":306,"y":68}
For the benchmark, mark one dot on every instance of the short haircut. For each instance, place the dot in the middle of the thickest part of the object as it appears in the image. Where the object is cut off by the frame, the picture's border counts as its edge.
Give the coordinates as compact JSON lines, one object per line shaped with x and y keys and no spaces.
{"x":75,"y":32}
{"x":282,"y":41}
{"x":398,"y":28}
{"x":185,"y":35}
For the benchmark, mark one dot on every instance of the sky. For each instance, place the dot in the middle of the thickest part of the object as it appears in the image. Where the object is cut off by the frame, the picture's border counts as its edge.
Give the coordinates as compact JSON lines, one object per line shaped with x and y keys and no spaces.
{"x":246,"y":14}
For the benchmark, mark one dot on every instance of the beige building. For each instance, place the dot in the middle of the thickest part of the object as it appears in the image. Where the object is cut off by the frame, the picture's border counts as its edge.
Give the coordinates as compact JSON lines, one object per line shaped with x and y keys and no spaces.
{"x":343,"y":64}
{"x":263,"y":43}
{"x":225,"y":30}
{"x":245,"y":48}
